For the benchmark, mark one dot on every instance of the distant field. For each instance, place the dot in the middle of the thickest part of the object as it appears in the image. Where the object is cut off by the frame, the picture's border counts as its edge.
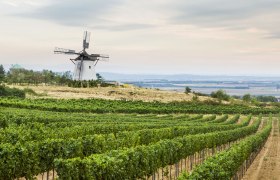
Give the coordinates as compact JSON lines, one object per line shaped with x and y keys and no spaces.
{"x":257,"y":91}
{"x":231,"y":87}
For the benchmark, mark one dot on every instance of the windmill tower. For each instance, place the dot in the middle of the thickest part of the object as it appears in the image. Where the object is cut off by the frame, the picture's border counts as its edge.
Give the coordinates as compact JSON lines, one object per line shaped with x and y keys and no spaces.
{"x":85,"y":63}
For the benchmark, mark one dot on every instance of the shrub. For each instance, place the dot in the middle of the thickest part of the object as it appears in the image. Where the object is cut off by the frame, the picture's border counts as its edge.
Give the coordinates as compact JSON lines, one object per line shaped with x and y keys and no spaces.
{"x":188,"y":90}
{"x":266,"y":99}
{"x":200,"y":94}
{"x":30,"y":91}
{"x":195,"y":98}
{"x":220,"y":95}
{"x":11,"y":92}
{"x":247,"y":98}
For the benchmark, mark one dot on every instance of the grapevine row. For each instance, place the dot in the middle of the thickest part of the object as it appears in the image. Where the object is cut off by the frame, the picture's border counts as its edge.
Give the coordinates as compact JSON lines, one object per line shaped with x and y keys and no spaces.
{"x":224,"y":165}
{"x":140,"y":161}
{"x":110,"y":106}
{"x":39,"y":156}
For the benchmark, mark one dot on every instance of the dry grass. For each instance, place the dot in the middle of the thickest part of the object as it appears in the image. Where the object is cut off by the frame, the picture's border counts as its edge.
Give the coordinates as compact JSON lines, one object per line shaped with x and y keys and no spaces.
{"x":114,"y":93}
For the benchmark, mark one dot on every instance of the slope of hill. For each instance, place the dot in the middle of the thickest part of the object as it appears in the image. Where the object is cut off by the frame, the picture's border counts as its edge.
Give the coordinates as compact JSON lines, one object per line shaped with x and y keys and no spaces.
{"x":112,"y":93}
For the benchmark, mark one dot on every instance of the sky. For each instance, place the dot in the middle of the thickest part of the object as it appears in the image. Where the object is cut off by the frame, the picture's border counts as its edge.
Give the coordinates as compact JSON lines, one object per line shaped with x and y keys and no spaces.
{"x":204,"y":37}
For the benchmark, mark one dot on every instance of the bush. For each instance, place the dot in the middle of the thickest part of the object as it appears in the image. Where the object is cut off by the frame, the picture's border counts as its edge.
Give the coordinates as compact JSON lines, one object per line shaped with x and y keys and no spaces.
{"x":188,"y":90}
{"x":11,"y":92}
{"x":220,"y":95}
{"x":200,"y":94}
{"x":30,"y":91}
{"x":88,"y":84}
{"x":247,"y":98}
{"x":236,"y":97}
{"x":195,"y":98}
{"x":266,"y":99}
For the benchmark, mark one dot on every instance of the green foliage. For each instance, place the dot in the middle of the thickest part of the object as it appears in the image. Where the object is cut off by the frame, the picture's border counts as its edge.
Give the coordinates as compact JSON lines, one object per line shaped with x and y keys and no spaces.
{"x":24,"y":76}
{"x":11,"y":92}
{"x":195,"y":98}
{"x":2,"y":73}
{"x":33,"y":139}
{"x":220,"y":95}
{"x":200,"y":94}
{"x":225,"y":164}
{"x":188,"y":90}
{"x":135,"y":163}
{"x":184,"y":175}
{"x":30,"y":91}
{"x":99,"y":77}
{"x":100,"y":82}
{"x":247,"y":98}
{"x":88,"y":84}
{"x":236,"y":97}
{"x":123,"y":106}
{"x":266,"y":98}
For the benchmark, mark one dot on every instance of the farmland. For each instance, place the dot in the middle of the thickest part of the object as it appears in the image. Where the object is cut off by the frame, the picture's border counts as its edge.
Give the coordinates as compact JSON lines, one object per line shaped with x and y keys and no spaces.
{"x":106,"y":139}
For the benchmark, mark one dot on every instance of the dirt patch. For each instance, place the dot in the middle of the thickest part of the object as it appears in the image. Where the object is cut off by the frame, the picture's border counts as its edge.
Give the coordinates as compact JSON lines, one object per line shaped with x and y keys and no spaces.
{"x":266,"y":166}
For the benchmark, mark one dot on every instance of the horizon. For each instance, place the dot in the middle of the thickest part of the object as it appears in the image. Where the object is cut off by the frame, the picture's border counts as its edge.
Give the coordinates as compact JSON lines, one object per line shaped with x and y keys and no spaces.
{"x":7,"y":67}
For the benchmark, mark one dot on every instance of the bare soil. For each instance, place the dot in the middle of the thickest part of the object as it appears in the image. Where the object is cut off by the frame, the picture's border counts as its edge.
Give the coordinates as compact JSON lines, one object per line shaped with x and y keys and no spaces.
{"x":266,"y":166}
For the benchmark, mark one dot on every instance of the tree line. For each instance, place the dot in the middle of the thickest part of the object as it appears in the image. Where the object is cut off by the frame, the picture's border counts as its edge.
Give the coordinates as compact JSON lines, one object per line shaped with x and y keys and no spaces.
{"x":21,"y":76}
{"x":25,"y":76}
{"x":221,"y":95}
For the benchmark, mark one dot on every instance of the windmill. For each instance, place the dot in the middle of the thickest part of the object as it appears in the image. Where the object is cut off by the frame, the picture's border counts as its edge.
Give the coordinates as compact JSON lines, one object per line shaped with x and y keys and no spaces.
{"x":85,"y":63}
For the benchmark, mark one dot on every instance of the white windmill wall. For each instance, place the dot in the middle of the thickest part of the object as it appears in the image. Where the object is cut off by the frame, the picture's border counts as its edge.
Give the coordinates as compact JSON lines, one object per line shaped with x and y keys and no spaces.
{"x":87,"y":71}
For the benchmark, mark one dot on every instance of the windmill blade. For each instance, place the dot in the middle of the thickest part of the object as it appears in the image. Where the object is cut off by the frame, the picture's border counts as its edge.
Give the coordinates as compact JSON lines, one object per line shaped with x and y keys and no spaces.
{"x":64,"y":51}
{"x":80,"y":64}
{"x":103,"y":57}
{"x":86,"y":39}
{"x":99,"y":57}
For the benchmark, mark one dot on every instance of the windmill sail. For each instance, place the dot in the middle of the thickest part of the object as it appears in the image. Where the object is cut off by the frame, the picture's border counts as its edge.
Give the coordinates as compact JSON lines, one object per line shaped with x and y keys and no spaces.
{"x":86,"y":40}
{"x":77,"y":70}
{"x":64,"y":51}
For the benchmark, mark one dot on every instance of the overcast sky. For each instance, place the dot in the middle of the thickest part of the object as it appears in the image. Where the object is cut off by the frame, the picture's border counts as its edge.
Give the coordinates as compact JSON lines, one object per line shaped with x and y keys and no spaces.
{"x":240,"y":37}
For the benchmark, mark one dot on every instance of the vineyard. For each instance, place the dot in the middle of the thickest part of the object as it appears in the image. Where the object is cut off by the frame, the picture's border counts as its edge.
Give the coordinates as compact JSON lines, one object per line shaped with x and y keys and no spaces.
{"x":105,"y":139}
{"x":138,"y":107}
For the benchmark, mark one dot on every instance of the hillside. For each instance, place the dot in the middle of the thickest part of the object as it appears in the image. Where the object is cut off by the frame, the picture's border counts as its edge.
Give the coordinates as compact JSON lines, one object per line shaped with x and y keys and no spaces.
{"x":112,"y":93}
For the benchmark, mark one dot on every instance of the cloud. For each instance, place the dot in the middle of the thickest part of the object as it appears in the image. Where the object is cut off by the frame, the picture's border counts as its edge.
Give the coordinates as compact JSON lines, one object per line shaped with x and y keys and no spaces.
{"x":73,"y":12}
{"x":235,"y":15}
{"x":89,"y":13}
{"x":124,"y":15}
{"x":273,"y":35}
{"x":123,"y":26}
{"x":206,"y":12}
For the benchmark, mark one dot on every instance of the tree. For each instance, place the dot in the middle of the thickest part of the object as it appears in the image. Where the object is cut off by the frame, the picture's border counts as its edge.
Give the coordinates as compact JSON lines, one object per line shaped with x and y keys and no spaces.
{"x":236,"y":97}
{"x":65,"y":78}
{"x":188,"y":90}
{"x":2,"y":73}
{"x":220,"y":95}
{"x":267,"y":98}
{"x":99,"y":77}
{"x":247,"y":98}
